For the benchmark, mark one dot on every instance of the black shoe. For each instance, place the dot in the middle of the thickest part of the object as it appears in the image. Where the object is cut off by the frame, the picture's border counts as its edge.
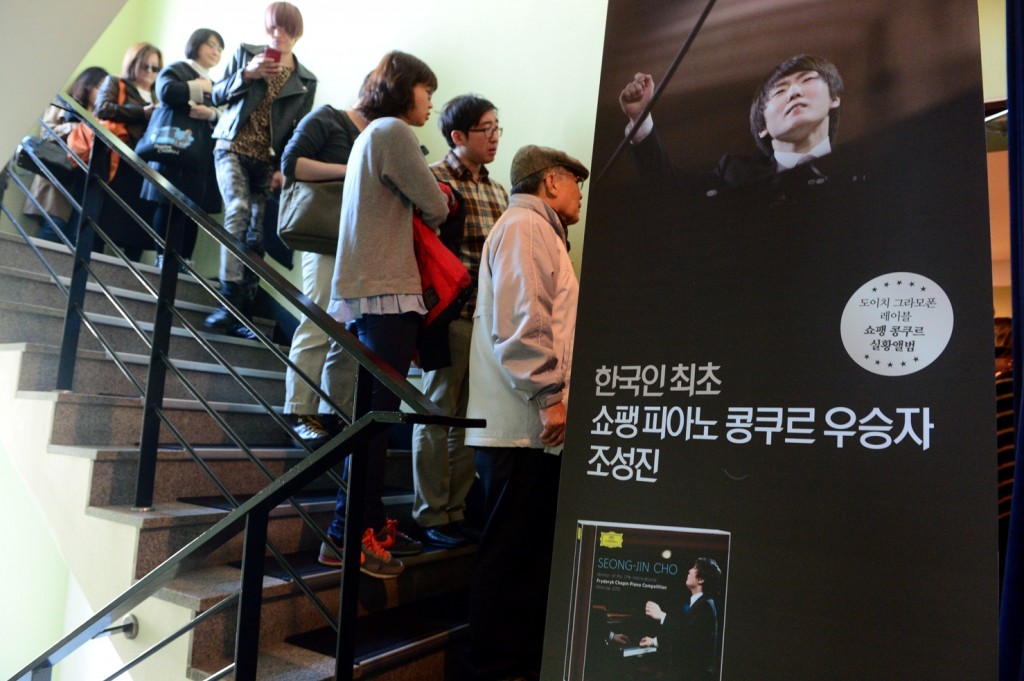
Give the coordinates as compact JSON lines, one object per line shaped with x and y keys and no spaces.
{"x":309,"y":429}
{"x":223,"y":321}
{"x":444,"y":536}
{"x":241,"y":296}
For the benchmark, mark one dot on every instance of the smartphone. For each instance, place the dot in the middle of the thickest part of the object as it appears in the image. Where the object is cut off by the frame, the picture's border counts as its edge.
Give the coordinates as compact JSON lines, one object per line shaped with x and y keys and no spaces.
{"x":271,"y":53}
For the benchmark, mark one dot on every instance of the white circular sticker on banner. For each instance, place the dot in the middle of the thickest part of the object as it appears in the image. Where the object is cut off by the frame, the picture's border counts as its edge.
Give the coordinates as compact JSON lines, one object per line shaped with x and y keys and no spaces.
{"x":897,"y":324}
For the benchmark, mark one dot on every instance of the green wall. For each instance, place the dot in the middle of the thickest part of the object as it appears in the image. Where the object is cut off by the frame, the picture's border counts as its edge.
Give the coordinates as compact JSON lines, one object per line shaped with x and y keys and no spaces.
{"x":33,"y":612}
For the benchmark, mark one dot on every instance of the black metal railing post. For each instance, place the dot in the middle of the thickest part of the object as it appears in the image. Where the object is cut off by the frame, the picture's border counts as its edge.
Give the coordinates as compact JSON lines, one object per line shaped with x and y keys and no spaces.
{"x":92,"y":204}
{"x":250,"y":603}
{"x":156,"y":379}
{"x":355,"y":502}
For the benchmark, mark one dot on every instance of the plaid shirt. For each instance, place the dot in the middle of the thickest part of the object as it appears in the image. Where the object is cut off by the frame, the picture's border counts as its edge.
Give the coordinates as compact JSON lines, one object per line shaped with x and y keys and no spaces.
{"x":485,"y":200}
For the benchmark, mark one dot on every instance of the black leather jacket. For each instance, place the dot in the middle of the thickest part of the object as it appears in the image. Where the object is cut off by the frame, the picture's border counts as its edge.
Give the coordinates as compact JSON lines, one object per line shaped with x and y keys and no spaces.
{"x":293,"y":102}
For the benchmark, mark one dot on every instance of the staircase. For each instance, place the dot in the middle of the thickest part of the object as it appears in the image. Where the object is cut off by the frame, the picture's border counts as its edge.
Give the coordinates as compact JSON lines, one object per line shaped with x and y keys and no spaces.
{"x":78,"y":453}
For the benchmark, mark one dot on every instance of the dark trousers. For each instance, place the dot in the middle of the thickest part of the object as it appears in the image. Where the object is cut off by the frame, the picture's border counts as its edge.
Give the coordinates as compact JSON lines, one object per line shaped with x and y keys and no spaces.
{"x":493,"y":466}
{"x":165,"y":213}
{"x":509,"y":589}
{"x":393,"y":337}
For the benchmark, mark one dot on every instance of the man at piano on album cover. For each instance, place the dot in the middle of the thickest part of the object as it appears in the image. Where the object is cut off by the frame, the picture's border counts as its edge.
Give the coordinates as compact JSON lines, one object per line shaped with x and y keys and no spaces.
{"x":687,"y":638}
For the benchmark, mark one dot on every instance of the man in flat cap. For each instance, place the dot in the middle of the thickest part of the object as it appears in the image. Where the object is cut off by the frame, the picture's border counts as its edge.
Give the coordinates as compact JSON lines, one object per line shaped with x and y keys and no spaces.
{"x":520,"y":357}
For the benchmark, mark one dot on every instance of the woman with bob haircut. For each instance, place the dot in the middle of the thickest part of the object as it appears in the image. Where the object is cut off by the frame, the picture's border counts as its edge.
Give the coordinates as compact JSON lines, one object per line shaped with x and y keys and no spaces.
{"x":376,"y":285}
{"x":266,"y":92}
{"x":185,"y":87}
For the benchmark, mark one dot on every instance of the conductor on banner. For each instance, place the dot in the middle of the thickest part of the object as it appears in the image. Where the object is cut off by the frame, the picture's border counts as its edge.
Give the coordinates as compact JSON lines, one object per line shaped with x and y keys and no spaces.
{"x":794,"y":116}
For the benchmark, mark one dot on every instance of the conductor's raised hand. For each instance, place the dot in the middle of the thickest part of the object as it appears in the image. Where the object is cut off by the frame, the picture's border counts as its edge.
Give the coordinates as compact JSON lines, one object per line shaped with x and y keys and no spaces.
{"x":637,"y":94}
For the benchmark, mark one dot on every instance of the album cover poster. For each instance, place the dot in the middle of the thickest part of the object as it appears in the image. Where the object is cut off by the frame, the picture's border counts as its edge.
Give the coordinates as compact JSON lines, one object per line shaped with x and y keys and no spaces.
{"x":646,"y":602}
{"x":785,"y":329}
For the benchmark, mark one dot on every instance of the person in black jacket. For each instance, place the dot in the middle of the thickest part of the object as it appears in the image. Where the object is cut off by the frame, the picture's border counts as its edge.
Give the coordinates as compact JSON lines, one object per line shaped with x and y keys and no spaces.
{"x":689,"y":637}
{"x":266,"y":91}
{"x":185,"y":86}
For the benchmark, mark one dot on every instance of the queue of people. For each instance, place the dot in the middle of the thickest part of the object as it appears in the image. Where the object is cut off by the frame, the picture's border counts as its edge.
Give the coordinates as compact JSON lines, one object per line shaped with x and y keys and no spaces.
{"x":510,"y":346}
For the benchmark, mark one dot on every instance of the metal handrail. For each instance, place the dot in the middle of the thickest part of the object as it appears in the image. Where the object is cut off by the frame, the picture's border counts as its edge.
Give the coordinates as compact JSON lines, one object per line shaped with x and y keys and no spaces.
{"x":254,"y":512}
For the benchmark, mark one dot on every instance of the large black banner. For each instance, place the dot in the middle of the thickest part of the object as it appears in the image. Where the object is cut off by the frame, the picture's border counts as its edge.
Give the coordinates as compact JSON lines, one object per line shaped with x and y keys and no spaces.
{"x":799,"y":361}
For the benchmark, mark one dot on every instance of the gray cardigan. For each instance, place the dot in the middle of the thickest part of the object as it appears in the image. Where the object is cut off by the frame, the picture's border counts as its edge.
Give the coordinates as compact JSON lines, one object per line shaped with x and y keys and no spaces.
{"x":387,"y":177}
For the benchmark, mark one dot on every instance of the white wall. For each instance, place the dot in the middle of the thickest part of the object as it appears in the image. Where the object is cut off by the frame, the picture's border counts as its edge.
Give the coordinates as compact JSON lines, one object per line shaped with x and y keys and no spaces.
{"x":538,"y":61}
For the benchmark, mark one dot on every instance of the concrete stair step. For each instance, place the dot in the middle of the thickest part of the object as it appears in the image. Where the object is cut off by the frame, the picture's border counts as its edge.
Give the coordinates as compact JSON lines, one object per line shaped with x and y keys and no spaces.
{"x":22,"y":322}
{"x":431,"y":578}
{"x":110,"y":420}
{"x":285,"y":662}
{"x":14,"y":252}
{"x":416,"y":641}
{"x":114,"y":472}
{"x":95,"y":374}
{"x":168,"y":527}
{"x":37,"y":288}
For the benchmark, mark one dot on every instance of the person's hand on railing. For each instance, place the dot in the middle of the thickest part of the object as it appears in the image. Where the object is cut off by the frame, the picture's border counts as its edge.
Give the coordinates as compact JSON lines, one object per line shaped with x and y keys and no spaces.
{"x":277,"y":181}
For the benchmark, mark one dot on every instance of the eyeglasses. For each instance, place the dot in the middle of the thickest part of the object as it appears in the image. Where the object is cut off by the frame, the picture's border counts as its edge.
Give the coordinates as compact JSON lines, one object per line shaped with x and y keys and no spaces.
{"x":151,"y":67}
{"x":490,"y":131}
{"x":578,"y":180}
{"x":214,"y":45}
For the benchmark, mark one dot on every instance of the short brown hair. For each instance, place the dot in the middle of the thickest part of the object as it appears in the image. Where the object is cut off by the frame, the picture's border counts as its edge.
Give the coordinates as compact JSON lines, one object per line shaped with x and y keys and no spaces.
{"x":136,"y":56}
{"x":388,"y":90}
{"x":284,"y":15}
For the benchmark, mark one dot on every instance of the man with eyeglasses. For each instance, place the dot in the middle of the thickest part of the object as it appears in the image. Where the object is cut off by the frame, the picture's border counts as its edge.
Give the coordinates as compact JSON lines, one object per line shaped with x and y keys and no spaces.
{"x":519,"y":365}
{"x":443,"y":466}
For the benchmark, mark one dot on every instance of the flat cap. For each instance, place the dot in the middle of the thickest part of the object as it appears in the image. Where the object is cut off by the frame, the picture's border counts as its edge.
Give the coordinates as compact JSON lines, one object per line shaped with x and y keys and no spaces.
{"x":533,"y":159}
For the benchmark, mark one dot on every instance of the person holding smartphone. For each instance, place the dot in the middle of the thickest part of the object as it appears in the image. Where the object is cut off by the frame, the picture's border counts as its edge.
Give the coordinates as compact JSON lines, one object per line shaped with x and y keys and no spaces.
{"x":266,"y":91}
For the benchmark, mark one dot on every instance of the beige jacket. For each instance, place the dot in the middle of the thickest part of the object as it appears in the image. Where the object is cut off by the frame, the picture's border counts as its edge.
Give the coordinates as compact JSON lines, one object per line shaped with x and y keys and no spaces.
{"x":523,"y":329}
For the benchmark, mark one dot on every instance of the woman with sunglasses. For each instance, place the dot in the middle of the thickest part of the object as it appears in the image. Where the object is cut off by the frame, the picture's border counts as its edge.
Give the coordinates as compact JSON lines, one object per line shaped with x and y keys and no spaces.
{"x":142,"y":62}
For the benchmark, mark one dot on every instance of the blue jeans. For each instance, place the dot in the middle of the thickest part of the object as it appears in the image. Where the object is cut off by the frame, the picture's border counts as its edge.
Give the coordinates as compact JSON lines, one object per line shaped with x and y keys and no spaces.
{"x":393,"y":338}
